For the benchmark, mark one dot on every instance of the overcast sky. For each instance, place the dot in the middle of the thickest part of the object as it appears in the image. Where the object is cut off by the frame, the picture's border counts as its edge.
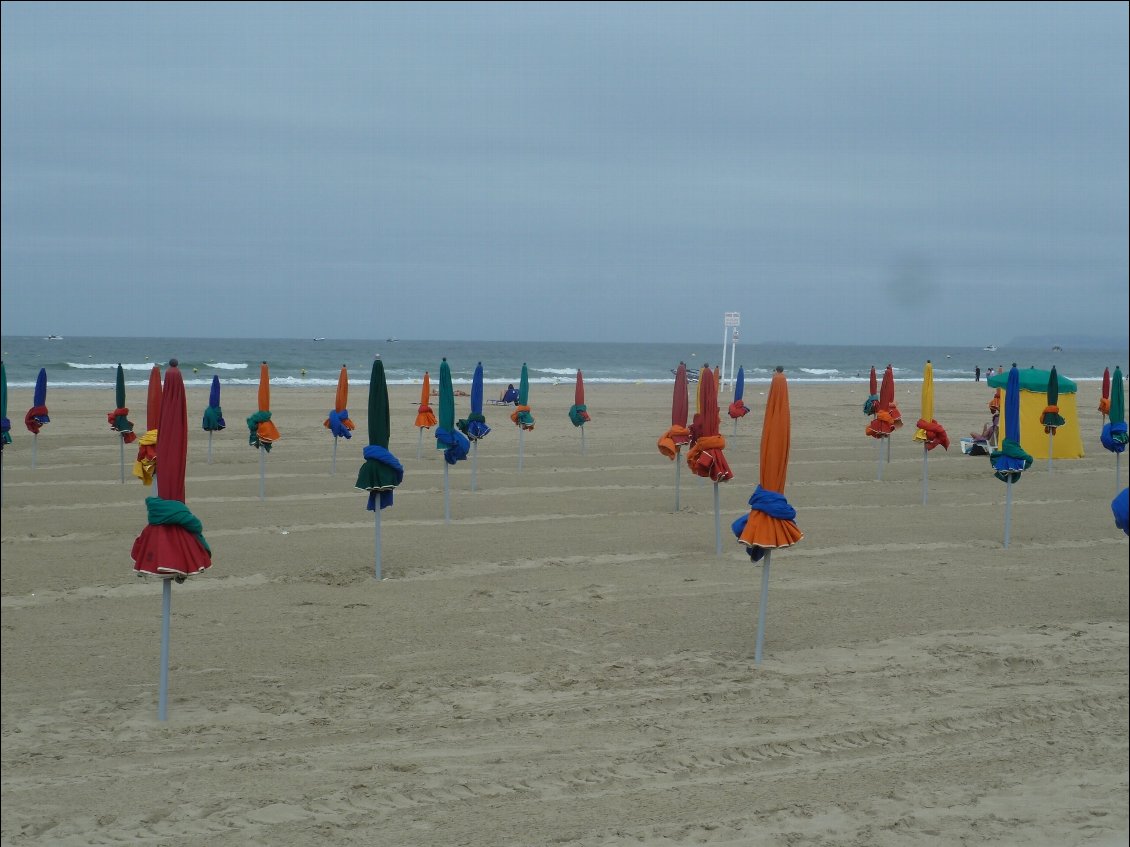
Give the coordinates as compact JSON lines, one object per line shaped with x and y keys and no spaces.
{"x":883,"y":173}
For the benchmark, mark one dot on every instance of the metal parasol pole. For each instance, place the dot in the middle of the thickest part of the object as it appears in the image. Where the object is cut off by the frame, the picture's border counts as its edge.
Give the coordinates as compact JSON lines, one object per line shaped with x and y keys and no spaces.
{"x":377,"y":548}
{"x":762,"y":606}
{"x":521,"y":445}
{"x":474,"y":461}
{"x":122,"y":457}
{"x":678,"y":467}
{"x":1051,"y":449}
{"x":333,"y":462}
{"x":879,"y":447}
{"x":419,"y":442}
{"x":446,"y":493}
{"x":1008,"y":510}
{"x":34,"y":443}
{"x":262,"y":473}
{"x":209,"y":447}
{"x":717,"y":524}
{"x":166,"y":611}
{"x":582,"y":439}
{"x":925,"y":471}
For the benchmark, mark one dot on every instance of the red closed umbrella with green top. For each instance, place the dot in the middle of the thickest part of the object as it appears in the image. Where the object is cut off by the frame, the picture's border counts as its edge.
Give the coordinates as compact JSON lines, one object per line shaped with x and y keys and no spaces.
{"x":172,"y":545}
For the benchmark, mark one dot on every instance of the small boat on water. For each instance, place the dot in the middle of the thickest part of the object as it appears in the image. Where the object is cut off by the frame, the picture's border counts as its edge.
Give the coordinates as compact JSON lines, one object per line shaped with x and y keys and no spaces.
{"x":992,"y":348}
{"x":320,"y":338}
{"x":53,"y":338}
{"x":1057,"y":349}
{"x":391,"y":340}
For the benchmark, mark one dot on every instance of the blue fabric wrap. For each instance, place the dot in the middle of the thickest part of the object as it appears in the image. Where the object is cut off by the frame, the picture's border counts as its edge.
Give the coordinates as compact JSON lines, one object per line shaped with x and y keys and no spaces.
{"x":474,"y":426}
{"x":1120,"y":505}
{"x":869,"y":406}
{"x":771,"y":503}
{"x":42,"y":418}
{"x":1114,"y":437}
{"x":5,"y":429}
{"x":339,"y":429}
{"x":456,"y":443}
{"x":376,"y":453}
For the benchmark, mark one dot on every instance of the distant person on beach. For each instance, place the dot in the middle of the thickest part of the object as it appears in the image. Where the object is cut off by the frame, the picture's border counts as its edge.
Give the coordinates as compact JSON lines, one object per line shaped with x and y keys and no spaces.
{"x":977,"y":374}
{"x":989,"y":374}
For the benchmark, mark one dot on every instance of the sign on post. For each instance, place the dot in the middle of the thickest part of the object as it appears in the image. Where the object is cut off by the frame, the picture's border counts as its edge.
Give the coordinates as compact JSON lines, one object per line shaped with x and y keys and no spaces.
{"x":730,"y":319}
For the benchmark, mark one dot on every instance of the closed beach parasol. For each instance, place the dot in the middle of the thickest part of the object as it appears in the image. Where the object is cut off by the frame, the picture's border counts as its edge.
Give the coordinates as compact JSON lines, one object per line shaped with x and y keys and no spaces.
{"x":454,"y":444}
{"x":672,"y":441}
{"x":145,"y":465}
{"x":521,"y":414}
{"x":1009,"y":460}
{"x":5,"y":424}
{"x":37,"y":415}
{"x":338,"y":421}
{"x":706,"y":458}
{"x":119,"y":420}
{"x":1051,"y":418}
{"x":579,"y":412}
{"x":474,"y":426}
{"x":871,"y":405}
{"x":1114,"y":435}
{"x":738,"y":409}
{"x":929,"y":432}
{"x":172,"y":545}
{"x":1120,"y":506}
{"x":425,"y":417}
{"x":883,"y":424}
{"x":1104,"y":398}
{"x":382,"y":472}
{"x":262,"y":433}
{"x":770,"y":523}
{"x":213,"y":415}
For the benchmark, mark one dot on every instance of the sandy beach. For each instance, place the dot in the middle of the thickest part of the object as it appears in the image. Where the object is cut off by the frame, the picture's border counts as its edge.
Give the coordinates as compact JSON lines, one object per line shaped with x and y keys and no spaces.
{"x":568,"y":661}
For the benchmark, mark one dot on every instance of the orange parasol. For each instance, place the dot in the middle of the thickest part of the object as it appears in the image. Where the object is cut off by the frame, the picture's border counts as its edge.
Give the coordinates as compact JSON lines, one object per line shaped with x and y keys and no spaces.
{"x":338,"y":421}
{"x":425,"y":416}
{"x":770,"y":523}
{"x":262,"y":433}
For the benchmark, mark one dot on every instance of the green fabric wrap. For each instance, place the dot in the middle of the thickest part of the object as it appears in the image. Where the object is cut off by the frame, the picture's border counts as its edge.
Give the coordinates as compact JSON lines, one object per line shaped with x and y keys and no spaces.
{"x":213,"y":417}
{"x":1012,"y":450}
{"x":253,"y":430}
{"x":374,"y":474}
{"x":174,"y":512}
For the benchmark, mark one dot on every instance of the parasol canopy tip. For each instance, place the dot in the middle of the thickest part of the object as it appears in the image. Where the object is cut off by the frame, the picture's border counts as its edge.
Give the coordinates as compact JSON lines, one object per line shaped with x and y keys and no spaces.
{"x":780,"y":369}
{"x":173,"y":363}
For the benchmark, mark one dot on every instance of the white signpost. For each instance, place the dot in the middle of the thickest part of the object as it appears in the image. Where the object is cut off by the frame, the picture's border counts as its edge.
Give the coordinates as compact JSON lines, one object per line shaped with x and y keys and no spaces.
{"x":731,"y":319}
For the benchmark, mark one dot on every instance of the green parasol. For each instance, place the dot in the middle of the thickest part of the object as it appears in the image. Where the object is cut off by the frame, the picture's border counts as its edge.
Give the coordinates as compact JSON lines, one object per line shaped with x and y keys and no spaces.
{"x":1114,"y":435}
{"x":119,"y":422}
{"x":382,"y":472}
{"x":5,"y":425}
{"x":521,"y":415}
{"x":1051,"y":418}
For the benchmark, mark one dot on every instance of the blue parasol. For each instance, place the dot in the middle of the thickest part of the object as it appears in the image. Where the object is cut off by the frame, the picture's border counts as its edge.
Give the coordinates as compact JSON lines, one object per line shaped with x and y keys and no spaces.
{"x":1009,"y":460}
{"x":213,"y":415}
{"x":37,"y":415}
{"x":738,"y":409}
{"x":474,"y":426}
{"x":453,"y":443}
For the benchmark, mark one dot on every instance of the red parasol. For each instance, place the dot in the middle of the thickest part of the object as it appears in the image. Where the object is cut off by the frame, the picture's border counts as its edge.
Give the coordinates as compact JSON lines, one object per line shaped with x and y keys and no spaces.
{"x":705,"y":458}
{"x":171,"y":545}
{"x":1104,"y":400}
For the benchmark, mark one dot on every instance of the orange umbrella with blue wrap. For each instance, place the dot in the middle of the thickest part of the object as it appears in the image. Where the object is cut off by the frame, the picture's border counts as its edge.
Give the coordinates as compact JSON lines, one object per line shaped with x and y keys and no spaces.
{"x":338,"y":421}
{"x":770,"y":523}
{"x":262,"y":432}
